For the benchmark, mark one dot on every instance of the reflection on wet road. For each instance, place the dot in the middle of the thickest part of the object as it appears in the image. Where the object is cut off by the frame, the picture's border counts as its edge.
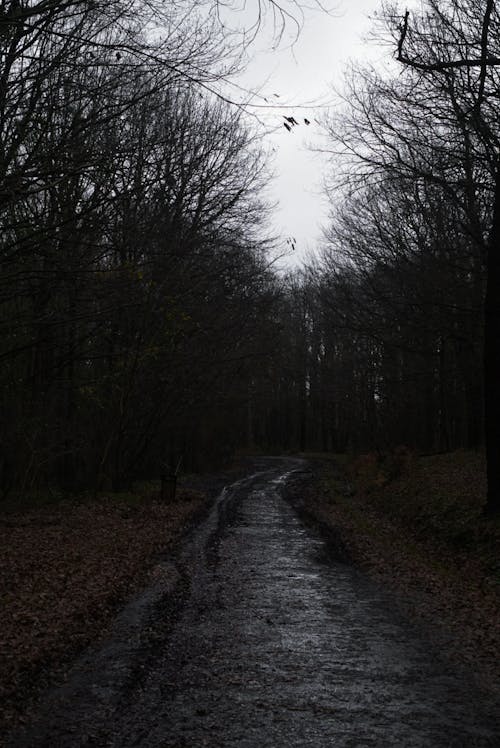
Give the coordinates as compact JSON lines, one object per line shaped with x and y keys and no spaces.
{"x":277,"y":646}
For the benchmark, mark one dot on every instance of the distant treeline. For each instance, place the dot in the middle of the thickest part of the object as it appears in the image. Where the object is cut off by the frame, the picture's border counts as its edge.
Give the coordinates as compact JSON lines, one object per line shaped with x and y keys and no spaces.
{"x":383,"y":338}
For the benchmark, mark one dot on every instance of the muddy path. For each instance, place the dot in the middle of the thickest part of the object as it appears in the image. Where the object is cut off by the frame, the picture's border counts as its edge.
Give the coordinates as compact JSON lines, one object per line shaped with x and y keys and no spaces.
{"x":255,"y":636}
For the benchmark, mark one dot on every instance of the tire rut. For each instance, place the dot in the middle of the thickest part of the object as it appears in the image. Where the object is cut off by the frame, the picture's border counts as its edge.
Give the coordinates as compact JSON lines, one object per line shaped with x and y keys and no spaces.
{"x":275,"y":644}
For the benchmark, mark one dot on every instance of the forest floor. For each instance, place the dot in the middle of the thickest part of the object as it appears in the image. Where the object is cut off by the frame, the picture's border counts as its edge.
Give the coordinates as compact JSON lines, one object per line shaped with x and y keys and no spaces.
{"x":67,"y":567}
{"x":274,"y":642}
{"x":415,"y":525}
{"x":412,"y":523}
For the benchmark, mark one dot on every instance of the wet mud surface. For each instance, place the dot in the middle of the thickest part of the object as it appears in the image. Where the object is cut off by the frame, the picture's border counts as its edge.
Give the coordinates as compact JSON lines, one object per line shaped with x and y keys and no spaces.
{"x":255,"y":636}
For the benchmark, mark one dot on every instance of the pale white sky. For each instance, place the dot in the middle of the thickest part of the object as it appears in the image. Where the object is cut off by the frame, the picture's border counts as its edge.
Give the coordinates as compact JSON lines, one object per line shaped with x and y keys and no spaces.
{"x":301,"y":74}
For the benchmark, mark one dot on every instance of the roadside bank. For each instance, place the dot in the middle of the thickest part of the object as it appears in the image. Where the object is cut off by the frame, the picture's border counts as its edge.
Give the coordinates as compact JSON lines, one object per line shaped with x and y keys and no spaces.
{"x":443,"y":580}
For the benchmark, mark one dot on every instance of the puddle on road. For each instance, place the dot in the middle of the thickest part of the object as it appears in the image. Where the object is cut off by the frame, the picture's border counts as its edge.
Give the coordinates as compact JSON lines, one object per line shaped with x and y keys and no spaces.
{"x":279,"y":646}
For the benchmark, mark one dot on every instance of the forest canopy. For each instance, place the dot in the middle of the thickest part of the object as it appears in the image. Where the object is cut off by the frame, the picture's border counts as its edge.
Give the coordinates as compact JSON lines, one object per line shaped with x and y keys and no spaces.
{"x":141,"y":315}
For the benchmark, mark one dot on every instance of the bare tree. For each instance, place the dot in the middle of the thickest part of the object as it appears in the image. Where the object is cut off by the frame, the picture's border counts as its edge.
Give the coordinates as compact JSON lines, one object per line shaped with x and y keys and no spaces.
{"x":459,"y":39}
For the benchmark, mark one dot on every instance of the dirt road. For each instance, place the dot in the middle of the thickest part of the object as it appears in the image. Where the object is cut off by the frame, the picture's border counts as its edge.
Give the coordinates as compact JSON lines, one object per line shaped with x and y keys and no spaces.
{"x":255,"y":637}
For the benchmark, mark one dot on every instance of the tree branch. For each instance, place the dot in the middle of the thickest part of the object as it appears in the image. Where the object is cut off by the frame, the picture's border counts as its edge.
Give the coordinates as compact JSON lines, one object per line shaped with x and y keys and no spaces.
{"x":483,"y":61}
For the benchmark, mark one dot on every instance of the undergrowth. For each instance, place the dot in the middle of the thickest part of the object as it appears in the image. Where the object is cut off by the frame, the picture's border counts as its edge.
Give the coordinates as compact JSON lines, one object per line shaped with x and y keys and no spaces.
{"x":437,"y":499}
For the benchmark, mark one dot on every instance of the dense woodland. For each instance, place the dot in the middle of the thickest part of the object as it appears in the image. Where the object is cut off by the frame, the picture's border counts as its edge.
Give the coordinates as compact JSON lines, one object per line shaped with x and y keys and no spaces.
{"x":142,"y":317}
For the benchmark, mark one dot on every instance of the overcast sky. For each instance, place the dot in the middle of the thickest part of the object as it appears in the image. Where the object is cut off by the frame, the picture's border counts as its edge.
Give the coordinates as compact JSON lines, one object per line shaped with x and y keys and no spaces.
{"x":305,"y":73}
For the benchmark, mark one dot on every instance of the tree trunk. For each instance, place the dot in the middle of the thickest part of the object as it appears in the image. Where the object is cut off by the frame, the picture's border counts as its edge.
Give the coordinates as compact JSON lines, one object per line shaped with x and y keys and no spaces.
{"x":492,"y":357}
